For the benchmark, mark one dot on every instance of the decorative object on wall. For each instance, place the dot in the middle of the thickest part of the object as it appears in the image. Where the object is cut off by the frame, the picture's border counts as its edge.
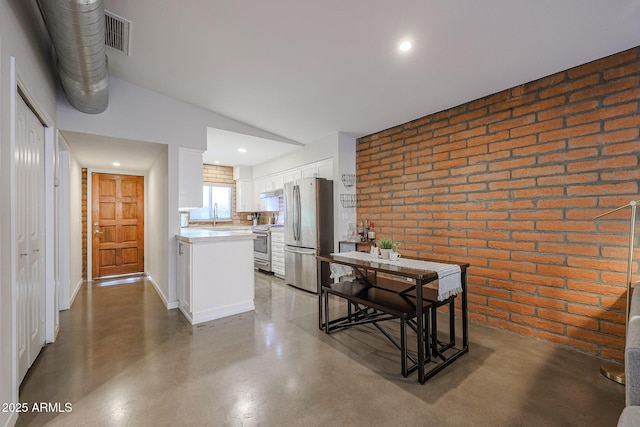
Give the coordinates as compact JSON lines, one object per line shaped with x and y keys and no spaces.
{"x":348,"y":200}
{"x":615,"y":371}
{"x":349,"y":179}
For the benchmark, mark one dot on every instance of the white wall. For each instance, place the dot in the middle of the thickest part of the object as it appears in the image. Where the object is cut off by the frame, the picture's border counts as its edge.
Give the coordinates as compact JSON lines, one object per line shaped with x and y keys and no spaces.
{"x":140,"y":114}
{"x":157,"y":226}
{"x":18,"y":40}
{"x":75,"y":229}
{"x":346,"y":163}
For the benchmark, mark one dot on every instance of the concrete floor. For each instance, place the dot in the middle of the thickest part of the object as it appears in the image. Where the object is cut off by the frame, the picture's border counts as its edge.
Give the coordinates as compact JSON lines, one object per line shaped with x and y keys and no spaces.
{"x":121,"y":359}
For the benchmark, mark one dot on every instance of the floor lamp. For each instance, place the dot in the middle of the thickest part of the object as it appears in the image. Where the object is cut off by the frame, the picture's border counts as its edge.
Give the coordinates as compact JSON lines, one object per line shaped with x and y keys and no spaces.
{"x":615,"y":371}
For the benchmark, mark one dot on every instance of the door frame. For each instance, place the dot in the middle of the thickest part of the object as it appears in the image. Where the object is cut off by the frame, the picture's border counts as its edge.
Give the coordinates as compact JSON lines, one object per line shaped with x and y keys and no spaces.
{"x":62,"y":214}
{"x":89,"y":228}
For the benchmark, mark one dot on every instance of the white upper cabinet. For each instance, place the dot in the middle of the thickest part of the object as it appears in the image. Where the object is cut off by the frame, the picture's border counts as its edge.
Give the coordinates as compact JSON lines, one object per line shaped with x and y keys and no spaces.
{"x":274,"y":182}
{"x":258,"y":187}
{"x":292,"y":175}
{"x":325,"y":169}
{"x":310,"y":171}
{"x":244,"y":196}
{"x":189,"y":178}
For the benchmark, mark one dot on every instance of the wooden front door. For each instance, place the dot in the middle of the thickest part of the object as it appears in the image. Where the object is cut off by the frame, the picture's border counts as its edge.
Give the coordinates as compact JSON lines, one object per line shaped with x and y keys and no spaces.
{"x":117,"y":218}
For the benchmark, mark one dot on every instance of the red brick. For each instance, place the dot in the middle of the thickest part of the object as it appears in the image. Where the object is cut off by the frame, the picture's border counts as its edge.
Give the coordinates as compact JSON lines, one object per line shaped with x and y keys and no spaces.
{"x":537,"y":279}
{"x":512,"y":307}
{"x":596,"y":312}
{"x":560,"y":294}
{"x":536,"y":301}
{"x":588,"y":81}
{"x":511,"y":143}
{"x":608,"y":62}
{"x":539,"y":106}
{"x":513,"y":123}
{"x":537,"y":128}
{"x":617,"y":98}
{"x":566,"y":157}
{"x":600,"y":164}
{"x":603,"y":89}
{"x":538,"y":323}
{"x":622,"y":123}
{"x":567,"y":110}
{"x":603,"y":113}
{"x":569,"y":319}
{"x":569,"y":132}
{"x":514,"y":287}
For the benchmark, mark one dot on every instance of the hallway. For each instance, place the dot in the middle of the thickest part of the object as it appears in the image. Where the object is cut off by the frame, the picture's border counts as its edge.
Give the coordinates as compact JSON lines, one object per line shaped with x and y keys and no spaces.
{"x":122,"y":359}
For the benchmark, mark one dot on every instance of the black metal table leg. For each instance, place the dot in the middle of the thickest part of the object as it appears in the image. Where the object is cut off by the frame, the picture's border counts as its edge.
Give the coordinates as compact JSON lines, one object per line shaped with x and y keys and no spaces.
{"x":420,"y":332}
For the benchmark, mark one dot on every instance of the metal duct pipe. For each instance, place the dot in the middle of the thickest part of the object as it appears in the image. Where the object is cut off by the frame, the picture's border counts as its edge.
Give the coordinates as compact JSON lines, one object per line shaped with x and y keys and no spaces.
{"x":77,"y":30}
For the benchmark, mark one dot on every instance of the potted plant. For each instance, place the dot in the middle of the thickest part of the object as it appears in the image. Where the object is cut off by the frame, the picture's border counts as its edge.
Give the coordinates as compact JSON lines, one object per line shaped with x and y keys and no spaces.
{"x":386,"y":246}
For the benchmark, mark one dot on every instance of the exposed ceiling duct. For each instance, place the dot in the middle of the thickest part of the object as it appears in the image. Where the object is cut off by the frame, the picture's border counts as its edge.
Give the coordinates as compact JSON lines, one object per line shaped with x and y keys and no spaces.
{"x":77,"y":30}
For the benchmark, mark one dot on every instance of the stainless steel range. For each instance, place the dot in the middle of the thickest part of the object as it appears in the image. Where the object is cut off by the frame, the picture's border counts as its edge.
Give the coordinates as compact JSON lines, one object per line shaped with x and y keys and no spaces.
{"x":262,"y":247}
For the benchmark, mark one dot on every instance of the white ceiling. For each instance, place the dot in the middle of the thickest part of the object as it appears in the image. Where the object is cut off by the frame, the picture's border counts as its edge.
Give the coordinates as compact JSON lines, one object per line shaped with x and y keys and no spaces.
{"x":306,"y":69}
{"x":99,"y":152}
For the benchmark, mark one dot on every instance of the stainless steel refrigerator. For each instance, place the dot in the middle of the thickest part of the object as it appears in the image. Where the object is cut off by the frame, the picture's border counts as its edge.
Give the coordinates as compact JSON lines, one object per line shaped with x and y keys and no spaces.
{"x":308,"y":231}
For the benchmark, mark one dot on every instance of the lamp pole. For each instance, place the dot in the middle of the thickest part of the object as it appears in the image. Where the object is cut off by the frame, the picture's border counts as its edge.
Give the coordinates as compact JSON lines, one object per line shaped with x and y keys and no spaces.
{"x":615,"y":371}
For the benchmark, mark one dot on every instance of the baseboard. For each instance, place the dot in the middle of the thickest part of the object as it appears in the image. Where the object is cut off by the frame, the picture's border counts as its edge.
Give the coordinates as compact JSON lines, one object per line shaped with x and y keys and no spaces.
{"x":205,"y":316}
{"x":167,"y":304}
{"x":75,"y":292}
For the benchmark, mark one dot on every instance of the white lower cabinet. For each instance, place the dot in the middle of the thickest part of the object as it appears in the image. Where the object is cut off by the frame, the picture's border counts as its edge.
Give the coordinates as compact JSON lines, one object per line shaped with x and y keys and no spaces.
{"x":215,"y":277}
{"x":277,"y":251}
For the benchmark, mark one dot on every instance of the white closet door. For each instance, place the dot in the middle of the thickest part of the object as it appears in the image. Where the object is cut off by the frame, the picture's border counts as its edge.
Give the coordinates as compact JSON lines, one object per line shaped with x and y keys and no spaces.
{"x":30,"y":280}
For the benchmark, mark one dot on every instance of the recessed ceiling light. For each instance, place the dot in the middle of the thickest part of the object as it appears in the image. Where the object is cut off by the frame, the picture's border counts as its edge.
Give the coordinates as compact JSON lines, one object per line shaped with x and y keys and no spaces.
{"x":242,"y":150}
{"x":115,"y":164}
{"x":217,"y":162}
{"x":405,"y":46}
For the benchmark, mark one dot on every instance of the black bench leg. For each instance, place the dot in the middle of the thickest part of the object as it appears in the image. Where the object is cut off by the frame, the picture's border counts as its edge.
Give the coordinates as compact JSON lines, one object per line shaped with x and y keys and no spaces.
{"x":403,"y":346}
{"x":452,"y":322}
{"x":326,"y":312}
{"x":427,"y":334}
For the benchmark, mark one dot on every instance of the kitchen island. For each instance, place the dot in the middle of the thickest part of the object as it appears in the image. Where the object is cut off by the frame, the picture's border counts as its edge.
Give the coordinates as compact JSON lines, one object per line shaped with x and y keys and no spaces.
{"x":215,"y":273}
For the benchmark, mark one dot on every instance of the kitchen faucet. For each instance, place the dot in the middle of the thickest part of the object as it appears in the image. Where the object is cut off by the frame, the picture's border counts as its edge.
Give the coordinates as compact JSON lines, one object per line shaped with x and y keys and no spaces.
{"x":215,"y":214}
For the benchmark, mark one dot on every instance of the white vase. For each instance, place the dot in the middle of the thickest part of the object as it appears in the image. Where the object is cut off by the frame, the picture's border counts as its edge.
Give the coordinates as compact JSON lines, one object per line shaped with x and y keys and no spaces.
{"x":384,"y":253}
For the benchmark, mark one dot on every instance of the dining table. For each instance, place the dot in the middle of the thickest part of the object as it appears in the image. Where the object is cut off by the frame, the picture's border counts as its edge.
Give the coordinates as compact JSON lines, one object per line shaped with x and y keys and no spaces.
{"x":418,"y":278}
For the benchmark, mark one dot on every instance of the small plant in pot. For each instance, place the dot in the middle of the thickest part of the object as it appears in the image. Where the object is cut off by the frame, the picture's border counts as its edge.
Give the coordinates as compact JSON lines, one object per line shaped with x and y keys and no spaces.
{"x":386,"y":246}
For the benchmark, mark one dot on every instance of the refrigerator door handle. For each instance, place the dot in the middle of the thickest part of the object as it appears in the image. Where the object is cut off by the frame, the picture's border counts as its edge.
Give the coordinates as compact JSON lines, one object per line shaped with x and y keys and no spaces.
{"x":301,"y":251}
{"x":296,"y":213}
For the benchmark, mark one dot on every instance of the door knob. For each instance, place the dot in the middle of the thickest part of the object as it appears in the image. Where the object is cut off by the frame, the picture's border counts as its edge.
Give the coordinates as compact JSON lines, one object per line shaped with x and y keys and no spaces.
{"x":97,"y":232}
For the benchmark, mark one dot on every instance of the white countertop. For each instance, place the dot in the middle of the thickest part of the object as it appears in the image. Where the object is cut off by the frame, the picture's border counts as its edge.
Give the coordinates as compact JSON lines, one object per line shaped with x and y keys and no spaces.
{"x":197,"y":235}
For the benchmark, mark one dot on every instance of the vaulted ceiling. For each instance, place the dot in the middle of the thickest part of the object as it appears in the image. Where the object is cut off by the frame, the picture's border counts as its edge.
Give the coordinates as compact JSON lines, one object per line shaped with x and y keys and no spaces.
{"x":306,"y":69}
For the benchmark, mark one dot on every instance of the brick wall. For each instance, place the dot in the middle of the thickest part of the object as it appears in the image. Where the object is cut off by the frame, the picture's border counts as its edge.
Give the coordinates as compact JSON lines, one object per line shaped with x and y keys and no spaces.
{"x":224,"y":175}
{"x":511,"y":184}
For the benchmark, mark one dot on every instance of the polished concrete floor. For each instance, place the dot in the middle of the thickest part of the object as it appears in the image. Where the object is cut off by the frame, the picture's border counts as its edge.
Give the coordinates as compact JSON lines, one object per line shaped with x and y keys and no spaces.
{"x":121,"y":359}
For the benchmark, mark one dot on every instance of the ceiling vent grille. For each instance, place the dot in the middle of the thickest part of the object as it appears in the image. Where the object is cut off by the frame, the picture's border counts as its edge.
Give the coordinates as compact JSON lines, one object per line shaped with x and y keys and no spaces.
{"x":117,"y":32}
